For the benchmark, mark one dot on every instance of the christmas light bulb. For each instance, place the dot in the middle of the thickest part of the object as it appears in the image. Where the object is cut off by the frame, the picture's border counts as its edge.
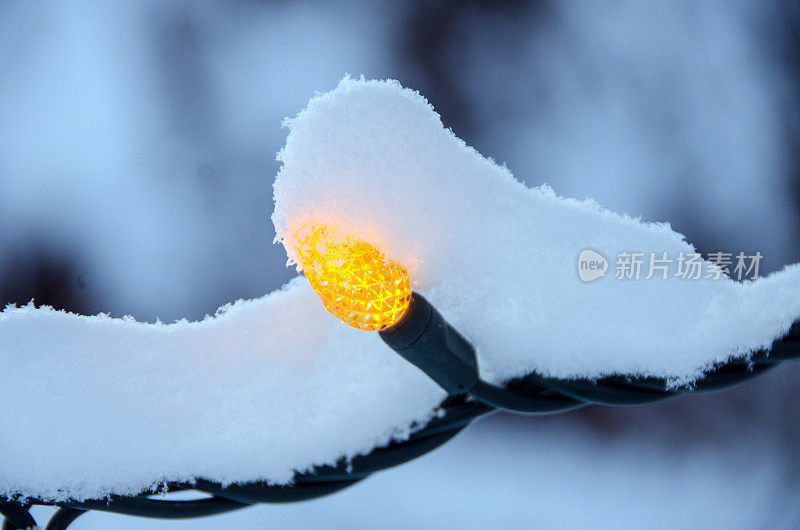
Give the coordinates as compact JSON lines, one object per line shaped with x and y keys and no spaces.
{"x":356,"y":282}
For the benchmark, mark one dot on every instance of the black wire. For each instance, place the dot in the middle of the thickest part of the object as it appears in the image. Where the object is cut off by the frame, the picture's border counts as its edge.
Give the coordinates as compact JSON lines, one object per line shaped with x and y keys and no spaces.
{"x":543,"y":401}
{"x":16,"y":515}
{"x":257,"y":492}
{"x":162,"y":509}
{"x":381,"y":458}
{"x":63,"y":518}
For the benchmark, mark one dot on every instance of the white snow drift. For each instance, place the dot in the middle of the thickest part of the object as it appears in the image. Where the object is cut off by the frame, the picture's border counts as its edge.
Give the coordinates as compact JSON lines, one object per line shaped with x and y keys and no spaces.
{"x":94,"y":405}
{"x":500,"y":259}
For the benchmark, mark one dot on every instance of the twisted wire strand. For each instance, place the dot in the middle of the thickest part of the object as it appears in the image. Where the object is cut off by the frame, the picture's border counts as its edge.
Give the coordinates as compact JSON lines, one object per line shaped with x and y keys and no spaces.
{"x":63,"y":518}
{"x":532,"y":394}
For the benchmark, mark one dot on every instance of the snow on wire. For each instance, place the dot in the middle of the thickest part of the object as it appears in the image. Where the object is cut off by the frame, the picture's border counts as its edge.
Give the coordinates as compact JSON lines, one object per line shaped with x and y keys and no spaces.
{"x":257,"y":394}
{"x":531,"y":395}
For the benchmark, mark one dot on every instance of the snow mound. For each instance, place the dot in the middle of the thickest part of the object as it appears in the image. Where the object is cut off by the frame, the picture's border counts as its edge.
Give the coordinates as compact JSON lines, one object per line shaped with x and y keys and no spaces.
{"x":500,"y":260}
{"x":94,"y":405}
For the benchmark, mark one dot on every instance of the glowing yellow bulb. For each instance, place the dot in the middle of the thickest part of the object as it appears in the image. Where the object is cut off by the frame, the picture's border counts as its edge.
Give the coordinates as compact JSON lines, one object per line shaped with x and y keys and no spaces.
{"x":354,"y":280}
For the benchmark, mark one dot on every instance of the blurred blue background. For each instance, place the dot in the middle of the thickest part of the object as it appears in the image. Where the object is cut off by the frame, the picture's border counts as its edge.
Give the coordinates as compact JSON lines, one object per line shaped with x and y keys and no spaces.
{"x":137,"y":153}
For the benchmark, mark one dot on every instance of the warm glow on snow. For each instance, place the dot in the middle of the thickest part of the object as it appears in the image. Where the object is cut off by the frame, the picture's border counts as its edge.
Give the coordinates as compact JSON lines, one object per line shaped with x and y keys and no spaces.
{"x":355,"y":281}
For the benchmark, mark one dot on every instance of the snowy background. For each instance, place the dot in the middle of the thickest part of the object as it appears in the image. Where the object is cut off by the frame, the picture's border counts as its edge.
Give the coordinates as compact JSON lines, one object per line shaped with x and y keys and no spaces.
{"x":137,"y":151}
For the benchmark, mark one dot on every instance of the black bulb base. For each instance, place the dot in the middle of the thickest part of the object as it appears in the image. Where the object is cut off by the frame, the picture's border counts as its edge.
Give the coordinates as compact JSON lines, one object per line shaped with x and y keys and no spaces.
{"x":425,"y":339}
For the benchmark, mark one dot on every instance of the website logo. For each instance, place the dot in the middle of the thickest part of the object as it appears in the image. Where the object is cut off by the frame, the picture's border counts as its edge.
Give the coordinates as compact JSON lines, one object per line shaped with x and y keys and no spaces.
{"x":591,"y":265}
